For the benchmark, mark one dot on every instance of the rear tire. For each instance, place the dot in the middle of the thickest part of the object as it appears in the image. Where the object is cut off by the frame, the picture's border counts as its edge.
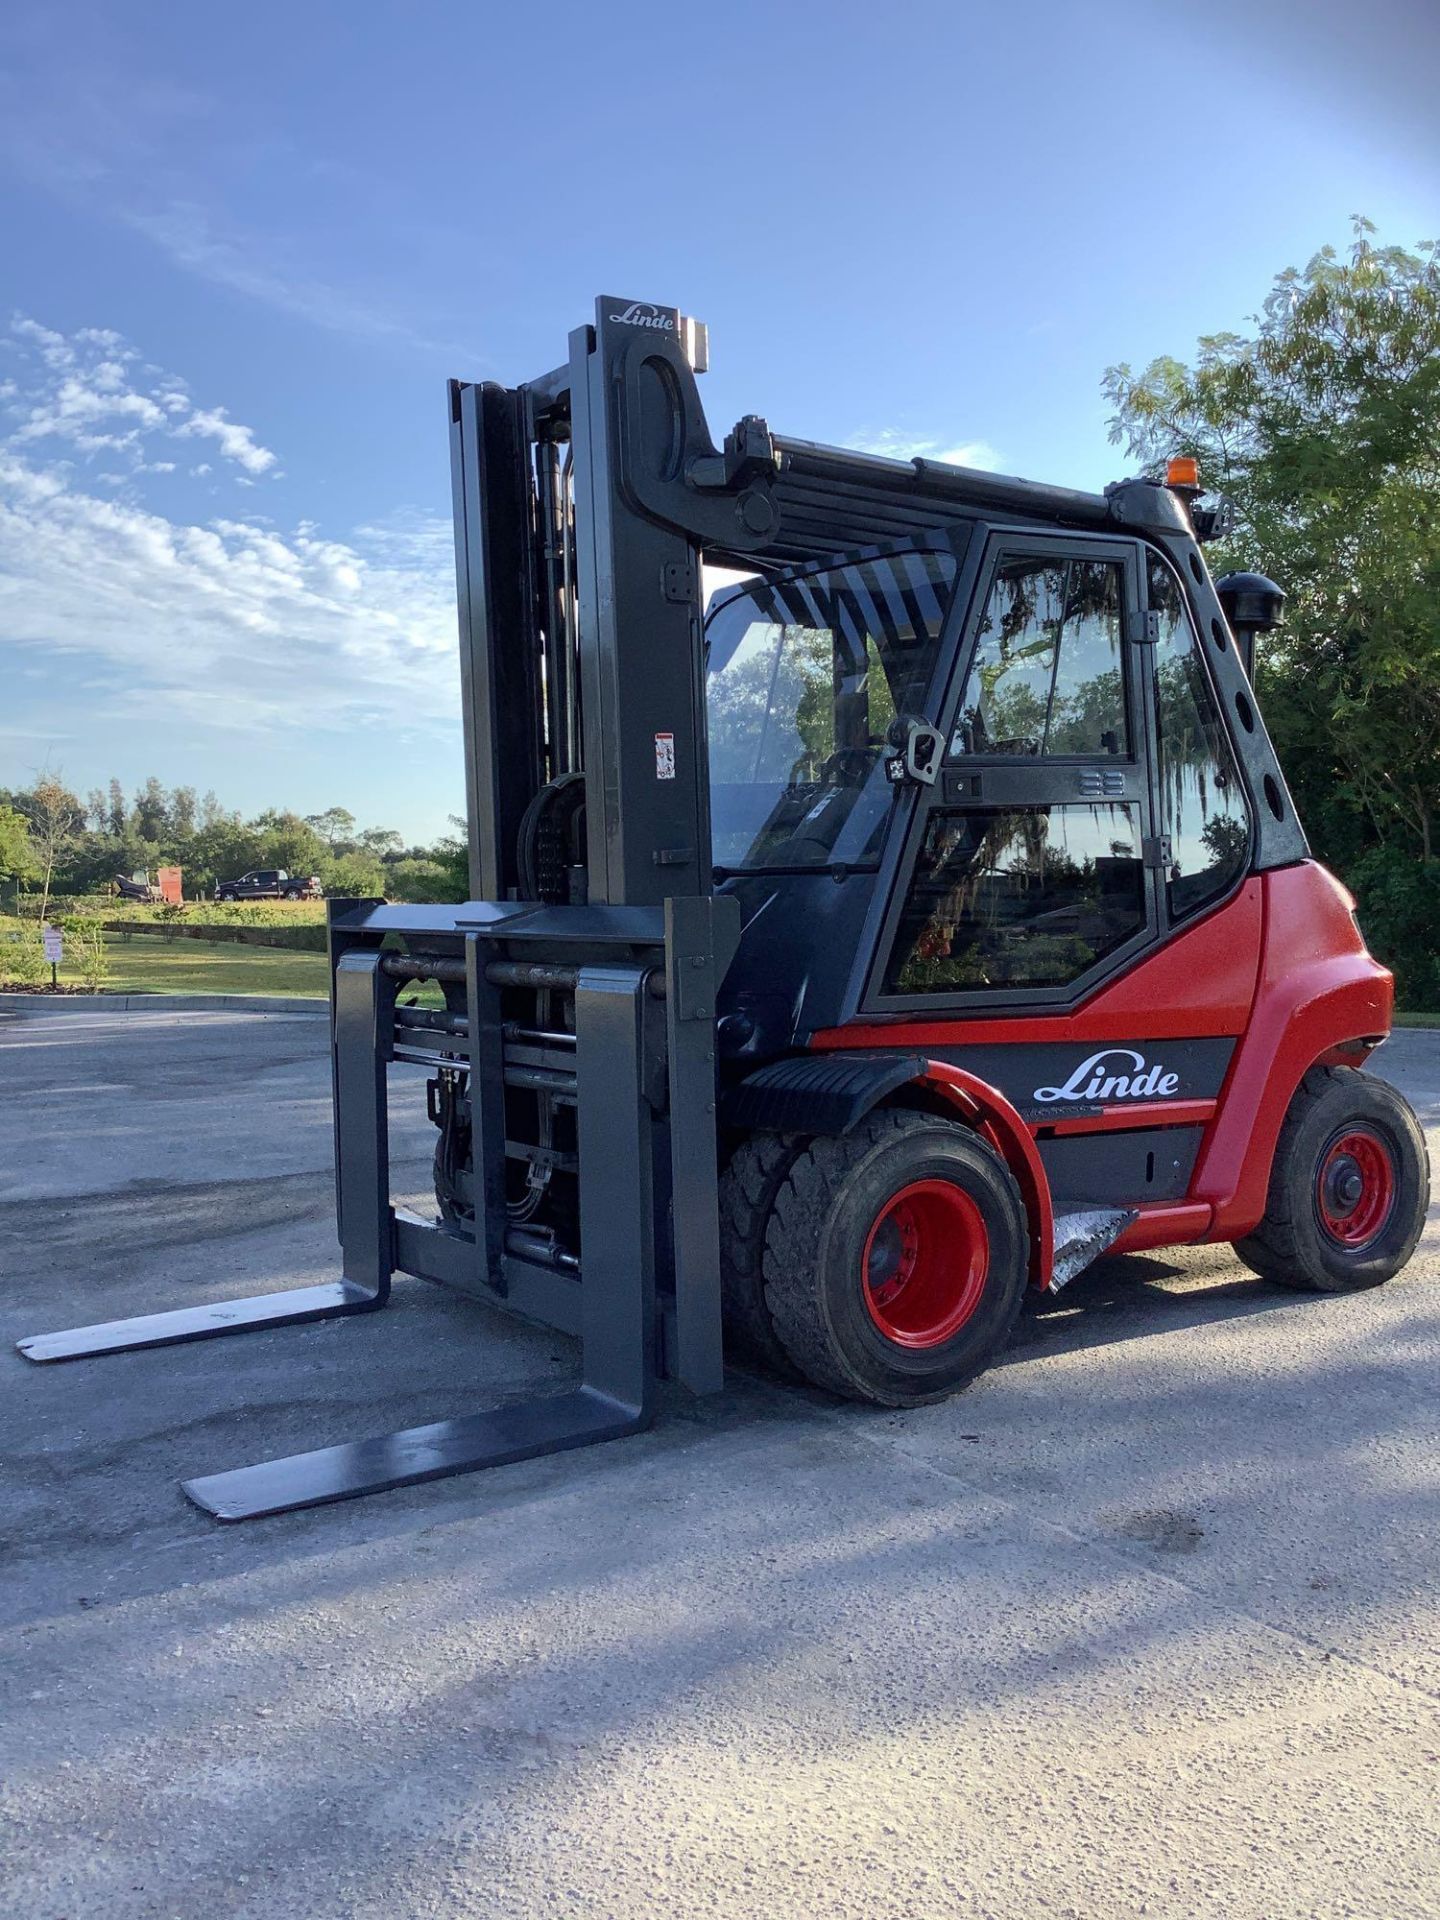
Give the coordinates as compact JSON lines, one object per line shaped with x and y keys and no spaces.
{"x":1349,"y":1187}
{"x":896,"y":1259}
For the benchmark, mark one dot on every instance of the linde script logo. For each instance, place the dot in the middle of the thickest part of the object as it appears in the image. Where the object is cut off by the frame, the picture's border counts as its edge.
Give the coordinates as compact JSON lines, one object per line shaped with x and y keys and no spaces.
{"x":639,"y":315}
{"x":1097,"y":1079}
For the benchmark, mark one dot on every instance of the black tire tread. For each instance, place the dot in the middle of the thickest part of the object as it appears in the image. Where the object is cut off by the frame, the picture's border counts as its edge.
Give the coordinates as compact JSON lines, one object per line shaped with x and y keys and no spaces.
{"x":801,"y":1205}
{"x":748,"y":1186}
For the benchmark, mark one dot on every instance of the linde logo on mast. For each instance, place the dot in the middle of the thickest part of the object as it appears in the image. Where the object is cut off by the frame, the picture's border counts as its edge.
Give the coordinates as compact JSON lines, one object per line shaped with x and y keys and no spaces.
{"x":637,"y":314}
{"x":1095,"y":1079}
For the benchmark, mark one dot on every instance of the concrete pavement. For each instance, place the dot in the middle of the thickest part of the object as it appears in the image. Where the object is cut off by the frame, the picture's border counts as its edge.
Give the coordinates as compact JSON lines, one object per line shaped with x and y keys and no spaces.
{"x":1146,"y":1622}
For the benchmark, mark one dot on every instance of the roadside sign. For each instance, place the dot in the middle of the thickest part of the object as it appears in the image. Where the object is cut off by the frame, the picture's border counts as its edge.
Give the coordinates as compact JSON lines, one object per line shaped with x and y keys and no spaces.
{"x":54,"y":950}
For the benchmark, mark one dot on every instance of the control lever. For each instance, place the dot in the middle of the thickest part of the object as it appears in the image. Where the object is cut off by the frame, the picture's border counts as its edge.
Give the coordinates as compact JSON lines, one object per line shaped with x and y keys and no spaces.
{"x":918,"y":747}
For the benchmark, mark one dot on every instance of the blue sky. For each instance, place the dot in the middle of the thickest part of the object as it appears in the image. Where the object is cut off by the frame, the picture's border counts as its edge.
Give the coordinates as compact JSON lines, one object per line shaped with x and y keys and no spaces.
{"x":243,"y":248}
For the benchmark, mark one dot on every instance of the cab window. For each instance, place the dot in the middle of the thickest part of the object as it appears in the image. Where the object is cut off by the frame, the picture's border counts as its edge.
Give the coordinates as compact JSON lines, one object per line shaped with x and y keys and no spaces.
{"x":1018,"y":897}
{"x":1046,"y":677}
{"x":1203,"y":812}
{"x":803,"y":679}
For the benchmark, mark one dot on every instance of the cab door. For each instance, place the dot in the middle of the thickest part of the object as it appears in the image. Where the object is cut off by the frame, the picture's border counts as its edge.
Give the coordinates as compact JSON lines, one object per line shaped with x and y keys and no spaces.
{"x":1029,"y":871}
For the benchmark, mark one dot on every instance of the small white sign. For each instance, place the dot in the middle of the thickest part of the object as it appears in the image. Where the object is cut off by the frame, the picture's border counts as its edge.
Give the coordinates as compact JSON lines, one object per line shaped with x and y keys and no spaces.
{"x":54,"y":945}
{"x":664,"y":756}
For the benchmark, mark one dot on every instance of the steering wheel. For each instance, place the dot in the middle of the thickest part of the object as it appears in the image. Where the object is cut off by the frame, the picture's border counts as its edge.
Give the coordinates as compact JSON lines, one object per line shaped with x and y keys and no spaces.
{"x":848,"y":766}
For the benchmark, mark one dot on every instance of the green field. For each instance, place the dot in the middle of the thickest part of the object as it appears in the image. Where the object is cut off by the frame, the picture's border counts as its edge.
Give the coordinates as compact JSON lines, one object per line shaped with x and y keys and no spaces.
{"x":146,"y":964}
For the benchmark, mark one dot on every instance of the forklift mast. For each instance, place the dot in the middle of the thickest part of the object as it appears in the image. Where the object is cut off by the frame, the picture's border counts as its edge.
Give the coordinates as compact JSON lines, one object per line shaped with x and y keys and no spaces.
{"x":582,"y":503}
{"x":618,"y":1022}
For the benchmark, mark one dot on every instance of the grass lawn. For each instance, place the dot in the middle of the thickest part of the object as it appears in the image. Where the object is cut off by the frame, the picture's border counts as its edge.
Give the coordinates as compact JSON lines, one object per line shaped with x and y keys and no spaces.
{"x":145,"y":964}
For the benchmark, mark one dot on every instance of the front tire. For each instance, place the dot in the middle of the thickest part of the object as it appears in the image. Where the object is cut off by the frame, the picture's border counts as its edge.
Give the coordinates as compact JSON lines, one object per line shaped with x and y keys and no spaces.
{"x":757,"y":1170}
{"x":1349,"y":1187}
{"x":896,"y":1259}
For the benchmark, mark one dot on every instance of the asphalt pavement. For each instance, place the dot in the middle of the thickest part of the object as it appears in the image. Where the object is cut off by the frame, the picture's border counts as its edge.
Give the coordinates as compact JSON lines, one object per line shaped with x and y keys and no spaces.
{"x":1146,"y":1622}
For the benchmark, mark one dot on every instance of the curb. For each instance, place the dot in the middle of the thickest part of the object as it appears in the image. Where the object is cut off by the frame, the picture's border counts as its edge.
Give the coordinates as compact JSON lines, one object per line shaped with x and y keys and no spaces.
{"x":309,"y":1009}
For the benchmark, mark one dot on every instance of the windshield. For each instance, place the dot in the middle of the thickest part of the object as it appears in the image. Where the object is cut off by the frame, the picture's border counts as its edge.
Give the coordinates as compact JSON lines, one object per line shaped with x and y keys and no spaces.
{"x":803,"y":680}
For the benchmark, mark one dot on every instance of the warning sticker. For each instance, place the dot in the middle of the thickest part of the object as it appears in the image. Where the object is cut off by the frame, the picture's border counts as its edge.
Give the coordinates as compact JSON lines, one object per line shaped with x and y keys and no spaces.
{"x":664,"y":756}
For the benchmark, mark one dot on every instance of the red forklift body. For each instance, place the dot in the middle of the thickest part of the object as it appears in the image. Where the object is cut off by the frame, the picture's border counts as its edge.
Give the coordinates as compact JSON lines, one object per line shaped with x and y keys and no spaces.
{"x":1280,"y":971}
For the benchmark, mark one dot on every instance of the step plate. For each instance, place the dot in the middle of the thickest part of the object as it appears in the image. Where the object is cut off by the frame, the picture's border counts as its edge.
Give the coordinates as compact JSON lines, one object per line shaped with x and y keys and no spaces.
{"x":1082,"y":1236}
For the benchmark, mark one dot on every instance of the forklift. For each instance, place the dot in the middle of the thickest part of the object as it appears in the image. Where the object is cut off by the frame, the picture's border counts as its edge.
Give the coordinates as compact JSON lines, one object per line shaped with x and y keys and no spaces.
{"x":848,"y":960}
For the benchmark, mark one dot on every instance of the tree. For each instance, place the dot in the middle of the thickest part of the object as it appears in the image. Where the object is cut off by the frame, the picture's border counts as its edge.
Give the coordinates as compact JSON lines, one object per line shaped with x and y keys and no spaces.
{"x":17,"y":854}
{"x":55,"y":817}
{"x":1323,"y":427}
{"x":116,"y":812}
{"x":289,"y":842}
{"x":182,"y":813}
{"x":335,"y":826}
{"x":354,"y":876}
{"x":223,"y":848}
{"x":452,"y":856}
{"x":151,"y":811}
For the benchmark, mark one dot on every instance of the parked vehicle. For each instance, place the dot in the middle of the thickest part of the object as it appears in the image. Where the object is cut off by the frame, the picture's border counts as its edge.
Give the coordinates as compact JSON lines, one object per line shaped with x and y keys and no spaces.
{"x":166,"y":888}
{"x":270,"y":883}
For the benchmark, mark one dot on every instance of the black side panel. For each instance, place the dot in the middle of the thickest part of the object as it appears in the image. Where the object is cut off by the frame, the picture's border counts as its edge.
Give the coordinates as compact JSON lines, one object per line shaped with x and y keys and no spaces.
{"x":1125,"y":1169}
{"x":1059,"y":1079}
{"x":817,"y":1093}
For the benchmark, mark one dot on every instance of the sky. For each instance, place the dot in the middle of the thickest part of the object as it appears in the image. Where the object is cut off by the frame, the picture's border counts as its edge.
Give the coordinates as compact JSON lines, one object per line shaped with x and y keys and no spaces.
{"x":242,"y":250}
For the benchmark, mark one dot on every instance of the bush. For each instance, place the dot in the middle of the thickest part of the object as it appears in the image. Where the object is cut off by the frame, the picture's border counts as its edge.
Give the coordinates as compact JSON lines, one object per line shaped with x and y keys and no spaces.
{"x":22,"y":959}
{"x":1398,"y":900}
{"x":89,"y":955}
{"x":221,"y":913}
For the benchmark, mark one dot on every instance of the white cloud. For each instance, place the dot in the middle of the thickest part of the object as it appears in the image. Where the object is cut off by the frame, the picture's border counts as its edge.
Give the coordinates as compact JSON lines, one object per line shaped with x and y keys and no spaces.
{"x":236,"y":442}
{"x":236,"y":625}
{"x":88,"y":389}
{"x":895,"y":445}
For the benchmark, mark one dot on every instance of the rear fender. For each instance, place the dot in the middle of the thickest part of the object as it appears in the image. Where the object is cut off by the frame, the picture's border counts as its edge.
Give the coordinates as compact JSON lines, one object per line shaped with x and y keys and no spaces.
{"x":1320,"y":997}
{"x":996,"y":1120}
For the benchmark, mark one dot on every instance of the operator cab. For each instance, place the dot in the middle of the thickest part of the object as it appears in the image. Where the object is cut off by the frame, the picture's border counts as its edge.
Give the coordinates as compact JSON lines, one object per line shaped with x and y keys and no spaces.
{"x":1087,"y":802}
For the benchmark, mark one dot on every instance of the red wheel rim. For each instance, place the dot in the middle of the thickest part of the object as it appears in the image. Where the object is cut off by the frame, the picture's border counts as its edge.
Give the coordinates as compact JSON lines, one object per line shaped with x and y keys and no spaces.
{"x":1355,"y":1187}
{"x":925,"y":1262}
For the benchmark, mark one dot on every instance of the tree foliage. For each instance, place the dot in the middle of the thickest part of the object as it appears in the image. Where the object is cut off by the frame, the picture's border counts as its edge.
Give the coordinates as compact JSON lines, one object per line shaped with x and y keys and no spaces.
{"x":17,"y":855}
{"x":1322,"y":425}
{"x":83,"y":845}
